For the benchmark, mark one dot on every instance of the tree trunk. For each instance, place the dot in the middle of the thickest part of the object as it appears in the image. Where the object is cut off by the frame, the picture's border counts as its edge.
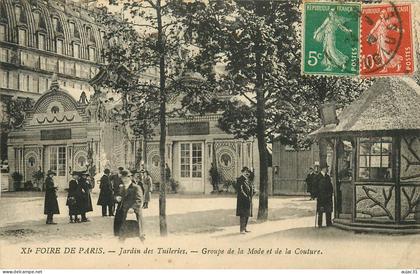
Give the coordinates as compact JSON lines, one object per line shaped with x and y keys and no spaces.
{"x":260,"y":113}
{"x":323,"y":148}
{"x":162,"y":115}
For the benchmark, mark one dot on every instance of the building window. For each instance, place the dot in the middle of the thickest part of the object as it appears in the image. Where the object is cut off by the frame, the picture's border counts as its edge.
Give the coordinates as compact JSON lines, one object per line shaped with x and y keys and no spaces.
{"x":60,"y":66}
{"x":42,"y":84}
{"x":4,"y":77}
{"x":55,"y":23}
{"x":69,"y":68}
{"x":24,"y":58}
{"x":72,"y":27}
{"x":42,"y":62}
{"x":41,"y":42}
{"x":2,"y":32}
{"x":92,"y":54}
{"x":375,"y":159}
{"x":22,"y":37}
{"x":191,"y":160}
{"x":59,"y":46}
{"x":76,"y":50}
{"x":58,"y":160}
{"x":33,"y":87}
{"x":77,"y":70}
{"x":4,"y":55}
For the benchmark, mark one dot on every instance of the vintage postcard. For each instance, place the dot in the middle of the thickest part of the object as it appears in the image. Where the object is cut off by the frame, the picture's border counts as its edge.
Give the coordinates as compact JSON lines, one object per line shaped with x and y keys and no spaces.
{"x":164,"y":134}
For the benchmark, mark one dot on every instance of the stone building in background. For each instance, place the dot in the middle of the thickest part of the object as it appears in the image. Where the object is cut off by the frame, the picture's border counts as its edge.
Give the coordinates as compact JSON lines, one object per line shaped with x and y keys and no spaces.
{"x":40,"y":37}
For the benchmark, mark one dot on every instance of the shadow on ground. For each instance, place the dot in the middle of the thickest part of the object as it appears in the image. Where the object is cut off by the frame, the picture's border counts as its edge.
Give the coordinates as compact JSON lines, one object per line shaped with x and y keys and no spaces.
{"x":208,"y":221}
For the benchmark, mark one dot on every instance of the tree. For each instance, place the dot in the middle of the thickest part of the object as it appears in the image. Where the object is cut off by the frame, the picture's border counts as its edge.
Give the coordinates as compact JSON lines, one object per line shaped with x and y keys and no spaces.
{"x":242,"y":36}
{"x":258,"y":42}
{"x":148,"y":51}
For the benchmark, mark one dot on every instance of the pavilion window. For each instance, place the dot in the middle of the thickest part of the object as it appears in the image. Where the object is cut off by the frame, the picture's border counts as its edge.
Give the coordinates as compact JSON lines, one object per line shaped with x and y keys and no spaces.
{"x":375,"y":159}
{"x":2,"y":32}
{"x":191,"y":160}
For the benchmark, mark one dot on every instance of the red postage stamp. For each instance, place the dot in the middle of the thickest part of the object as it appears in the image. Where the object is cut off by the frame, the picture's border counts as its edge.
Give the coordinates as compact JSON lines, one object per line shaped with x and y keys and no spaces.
{"x":386,"y":40}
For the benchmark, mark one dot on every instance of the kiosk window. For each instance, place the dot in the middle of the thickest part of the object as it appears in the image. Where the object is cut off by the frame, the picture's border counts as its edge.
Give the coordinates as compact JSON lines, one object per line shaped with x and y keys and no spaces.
{"x":375,"y":156}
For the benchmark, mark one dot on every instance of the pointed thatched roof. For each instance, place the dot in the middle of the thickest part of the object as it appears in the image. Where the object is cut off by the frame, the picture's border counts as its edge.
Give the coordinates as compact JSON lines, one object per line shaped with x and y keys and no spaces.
{"x":390,"y":104}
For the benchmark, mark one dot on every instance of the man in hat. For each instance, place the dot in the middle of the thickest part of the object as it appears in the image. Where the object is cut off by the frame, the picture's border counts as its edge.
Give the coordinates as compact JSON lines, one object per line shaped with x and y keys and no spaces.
{"x":116,"y":182}
{"x":245,"y":191}
{"x":106,"y":195}
{"x":84,"y":188}
{"x":74,"y":197}
{"x":324,"y":195}
{"x":50,"y":204}
{"x":310,"y":178}
{"x":130,"y":198}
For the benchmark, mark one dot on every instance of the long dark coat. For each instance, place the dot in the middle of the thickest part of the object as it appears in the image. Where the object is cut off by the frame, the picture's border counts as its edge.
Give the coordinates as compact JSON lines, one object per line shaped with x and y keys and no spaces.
{"x":106,"y":194}
{"x":244,"y":197}
{"x":51,"y":204}
{"x":131,"y":198}
{"x":116,"y":182}
{"x":324,"y":193}
{"x":310,"y":183}
{"x":74,"y":208}
{"x":86,"y":201}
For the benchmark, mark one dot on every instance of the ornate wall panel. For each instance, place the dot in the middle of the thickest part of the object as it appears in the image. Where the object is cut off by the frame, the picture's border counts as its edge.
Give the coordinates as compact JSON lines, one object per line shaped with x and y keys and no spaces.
{"x":226,"y":159}
{"x":410,"y":196}
{"x":375,"y":202}
{"x":410,"y":159}
{"x":153,"y":161}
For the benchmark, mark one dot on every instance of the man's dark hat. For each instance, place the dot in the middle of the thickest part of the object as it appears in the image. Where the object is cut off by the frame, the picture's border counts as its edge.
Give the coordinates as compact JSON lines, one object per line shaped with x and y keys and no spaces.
{"x":134,"y":171}
{"x":50,"y":172}
{"x":120,"y":168}
{"x":107,"y":171}
{"x":245,"y":169}
{"x":125,"y":173}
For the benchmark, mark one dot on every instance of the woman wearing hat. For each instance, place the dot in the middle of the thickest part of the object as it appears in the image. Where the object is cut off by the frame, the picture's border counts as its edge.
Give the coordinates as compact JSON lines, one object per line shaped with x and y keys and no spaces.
{"x":51,"y":204}
{"x":245,"y":191}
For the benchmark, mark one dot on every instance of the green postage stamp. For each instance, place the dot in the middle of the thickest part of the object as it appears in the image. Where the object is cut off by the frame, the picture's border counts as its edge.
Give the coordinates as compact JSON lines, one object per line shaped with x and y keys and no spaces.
{"x":331,"y":38}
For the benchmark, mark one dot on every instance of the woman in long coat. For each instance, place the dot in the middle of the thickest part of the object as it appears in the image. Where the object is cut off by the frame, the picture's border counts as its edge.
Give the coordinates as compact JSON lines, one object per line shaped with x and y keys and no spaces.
{"x":148,"y":182}
{"x":51,"y":204}
{"x":245,"y":191}
{"x":74,"y":199}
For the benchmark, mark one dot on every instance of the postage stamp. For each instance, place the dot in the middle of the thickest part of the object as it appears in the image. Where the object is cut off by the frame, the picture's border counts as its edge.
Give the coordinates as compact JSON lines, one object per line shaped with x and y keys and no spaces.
{"x":386,"y":40}
{"x":331,"y":38}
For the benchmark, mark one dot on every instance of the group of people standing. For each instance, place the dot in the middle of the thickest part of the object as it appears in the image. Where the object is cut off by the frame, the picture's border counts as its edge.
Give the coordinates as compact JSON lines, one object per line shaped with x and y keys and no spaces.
{"x":78,"y":199}
{"x":127,"y":192}
{"x":120,"y":194}
{"x":319,"y":186}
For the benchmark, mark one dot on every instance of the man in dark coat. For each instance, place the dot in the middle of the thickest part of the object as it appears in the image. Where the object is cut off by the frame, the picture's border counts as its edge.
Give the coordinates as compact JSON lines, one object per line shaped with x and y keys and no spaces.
{"x":310,"y":184}
{"x":86,"y":201}
{"x":245,"y":191}
{"x":106,"y":195}
{"x":116,"y":182}
{"x":324,"y":195}
{"x":50,"y":204}
{"x":130,"y":198}
{"x":215,"y":178}
{"x":74,"y":198}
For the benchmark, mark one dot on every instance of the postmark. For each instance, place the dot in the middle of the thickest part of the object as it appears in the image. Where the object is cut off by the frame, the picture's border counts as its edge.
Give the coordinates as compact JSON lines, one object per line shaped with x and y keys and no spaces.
{"x":386,"y":40}
{"x":331,"y":35}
